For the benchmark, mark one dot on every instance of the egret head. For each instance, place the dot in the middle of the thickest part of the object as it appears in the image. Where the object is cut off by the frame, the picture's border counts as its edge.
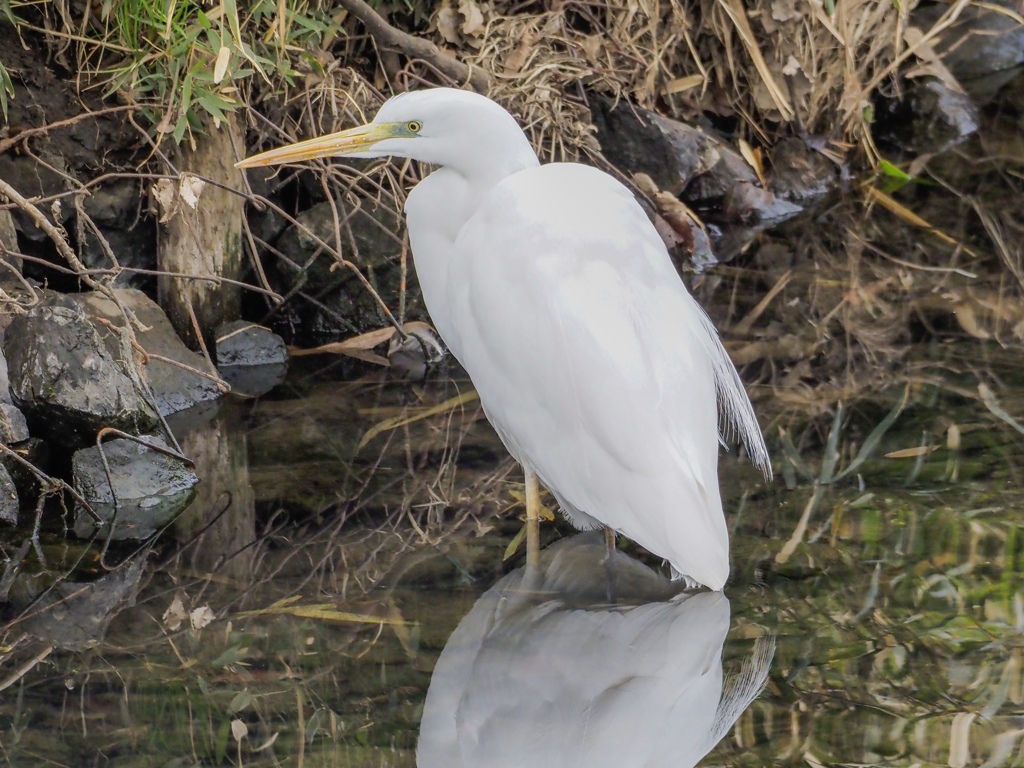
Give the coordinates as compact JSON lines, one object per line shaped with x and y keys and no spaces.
{"x":456,"y":129}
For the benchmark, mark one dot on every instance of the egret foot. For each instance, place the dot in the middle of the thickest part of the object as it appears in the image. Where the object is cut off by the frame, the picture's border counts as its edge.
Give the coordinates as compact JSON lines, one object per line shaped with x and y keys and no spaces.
{"x":611,"y":573}
{"x":532,"y":520}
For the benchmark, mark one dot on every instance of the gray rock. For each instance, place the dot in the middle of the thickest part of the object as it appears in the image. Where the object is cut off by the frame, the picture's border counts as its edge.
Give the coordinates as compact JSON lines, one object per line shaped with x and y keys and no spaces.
{"x":13,"y":427}
{"x":174,"y":387}
{"x":114,"y":208}
{"x":151,"y":487}
{"x":74,"y":615}
{"x":5,"y":386}
{"x":33,"y":179}
{"x":803,"y":176}
{"x":332,"y":302}
{"x":942,"y":117}
{"x":65,"y":378}
{"x":244,"y":343}
{"x":8,"y":241}
{"x":8,"y":498}
{"x":251,"y":358}
{"x":749,"y":204}
{"x":680,"y":158}
{"x":254,"y":380}
{"x":983,"y":48}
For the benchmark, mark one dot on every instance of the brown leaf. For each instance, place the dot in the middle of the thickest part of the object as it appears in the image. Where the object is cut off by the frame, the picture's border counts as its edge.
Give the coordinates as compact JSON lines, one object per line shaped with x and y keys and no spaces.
{"x":473,"y":18}
{"x":358,"y":347}
{"x":521,"y":54}
{"x":448,"y":23}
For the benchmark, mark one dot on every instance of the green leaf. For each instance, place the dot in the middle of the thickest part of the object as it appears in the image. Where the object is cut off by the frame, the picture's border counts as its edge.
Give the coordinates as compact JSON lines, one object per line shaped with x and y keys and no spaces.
{"x":7,"y":13}
{"x":241,"y":700}
{"x":876,"y":435}
{"x":180,"y":128}
{"x":888,"y":169}
{"x":221,"y":745}
{"x":6,"y":89}
{"x":233,"y":655}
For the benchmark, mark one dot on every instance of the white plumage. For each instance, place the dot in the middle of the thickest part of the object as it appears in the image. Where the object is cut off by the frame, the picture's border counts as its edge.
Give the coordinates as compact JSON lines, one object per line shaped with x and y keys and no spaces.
{"x":551,"y":287}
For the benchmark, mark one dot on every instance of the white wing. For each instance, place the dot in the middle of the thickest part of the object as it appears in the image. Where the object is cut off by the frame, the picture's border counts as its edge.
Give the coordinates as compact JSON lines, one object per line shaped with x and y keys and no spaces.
{"x":594,"y":363}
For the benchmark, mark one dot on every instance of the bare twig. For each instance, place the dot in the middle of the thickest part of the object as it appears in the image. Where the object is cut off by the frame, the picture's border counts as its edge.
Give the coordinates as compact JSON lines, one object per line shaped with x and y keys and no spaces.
{"x":22,"y":135}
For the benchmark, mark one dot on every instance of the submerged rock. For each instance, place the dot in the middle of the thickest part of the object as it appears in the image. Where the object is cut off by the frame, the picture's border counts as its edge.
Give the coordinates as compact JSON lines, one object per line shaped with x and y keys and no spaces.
{"x":151,"y":487}
{"x":244,"y":343}
{"x":71,"y":614}
{"x":176,"y":385}
{"x":251,"y":358}
{"x":66,"y":379}
{"x":413,"y":354}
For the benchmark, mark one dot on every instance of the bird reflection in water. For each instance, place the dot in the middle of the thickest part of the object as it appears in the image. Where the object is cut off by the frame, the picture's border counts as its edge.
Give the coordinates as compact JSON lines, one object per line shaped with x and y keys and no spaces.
{"x":543,"y":671}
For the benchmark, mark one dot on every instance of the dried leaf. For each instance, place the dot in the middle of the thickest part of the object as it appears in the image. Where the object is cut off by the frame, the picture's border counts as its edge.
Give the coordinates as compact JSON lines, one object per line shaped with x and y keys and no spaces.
{"x":785,"y":10}
{"x":737,"y":13}
{"x":681,"y":84}
{"x":165,"y":195}
{"x":753,"y":158}
{"x":239,"y":729}
{"x":518,"y":58}
{"x":473,"y":18}
{"x":447,"y":20}
{"x":220,"y":68}
{"x":190,"y":188}
{"x":513,"y":545}
{"x":912,"y":453}
{"x":400,"y":421}
{"x":358,"y":347}
{"x":401,"y":629}
{"x":175,"y":614}
{"x":200,"y":617}
{"x":877,"y":196}
{"x":321,"y":611}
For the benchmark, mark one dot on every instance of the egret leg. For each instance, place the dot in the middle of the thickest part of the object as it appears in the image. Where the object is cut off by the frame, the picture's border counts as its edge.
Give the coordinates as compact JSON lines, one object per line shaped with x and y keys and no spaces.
{"x":609,"y":566}
{"x":532,"y":520}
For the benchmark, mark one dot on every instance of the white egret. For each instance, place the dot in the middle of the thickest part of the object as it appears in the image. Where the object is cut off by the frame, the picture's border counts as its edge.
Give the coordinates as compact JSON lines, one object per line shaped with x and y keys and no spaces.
{"x":552,"y":288}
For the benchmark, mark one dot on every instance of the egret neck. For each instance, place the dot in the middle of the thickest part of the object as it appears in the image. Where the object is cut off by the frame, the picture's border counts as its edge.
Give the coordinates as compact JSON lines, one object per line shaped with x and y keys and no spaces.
{"x":439,"y":206}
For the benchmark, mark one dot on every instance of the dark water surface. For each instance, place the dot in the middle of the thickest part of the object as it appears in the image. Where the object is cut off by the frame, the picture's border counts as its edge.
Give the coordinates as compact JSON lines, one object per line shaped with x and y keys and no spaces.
{"x":293,"y":616}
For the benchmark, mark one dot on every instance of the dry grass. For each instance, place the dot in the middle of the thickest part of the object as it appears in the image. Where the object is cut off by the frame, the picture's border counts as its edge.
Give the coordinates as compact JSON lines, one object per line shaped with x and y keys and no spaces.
{"x":768,"y":63}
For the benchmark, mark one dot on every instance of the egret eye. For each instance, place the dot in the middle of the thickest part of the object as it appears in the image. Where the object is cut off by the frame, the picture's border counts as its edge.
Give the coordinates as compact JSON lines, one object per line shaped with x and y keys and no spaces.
{"x":414,"y":126}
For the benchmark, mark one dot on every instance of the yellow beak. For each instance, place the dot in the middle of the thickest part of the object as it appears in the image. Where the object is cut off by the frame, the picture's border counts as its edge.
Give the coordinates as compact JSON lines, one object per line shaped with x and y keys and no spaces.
{"x":335,"y":144}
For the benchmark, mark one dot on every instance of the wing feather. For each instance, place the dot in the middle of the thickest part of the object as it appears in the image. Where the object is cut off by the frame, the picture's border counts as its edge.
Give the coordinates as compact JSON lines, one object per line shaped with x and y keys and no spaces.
{"x":594,"y":363}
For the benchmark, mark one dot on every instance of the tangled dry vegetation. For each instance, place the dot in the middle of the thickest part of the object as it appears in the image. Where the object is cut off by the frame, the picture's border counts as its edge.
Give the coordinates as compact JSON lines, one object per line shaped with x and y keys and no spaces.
{"x":880,"y":273}
{"x":768,"y":65}
{"x":828,"y":308}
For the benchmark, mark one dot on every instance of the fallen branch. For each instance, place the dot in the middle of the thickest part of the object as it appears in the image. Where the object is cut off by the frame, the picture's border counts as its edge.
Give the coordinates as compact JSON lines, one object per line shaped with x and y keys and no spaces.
{"x":389,"y":38}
